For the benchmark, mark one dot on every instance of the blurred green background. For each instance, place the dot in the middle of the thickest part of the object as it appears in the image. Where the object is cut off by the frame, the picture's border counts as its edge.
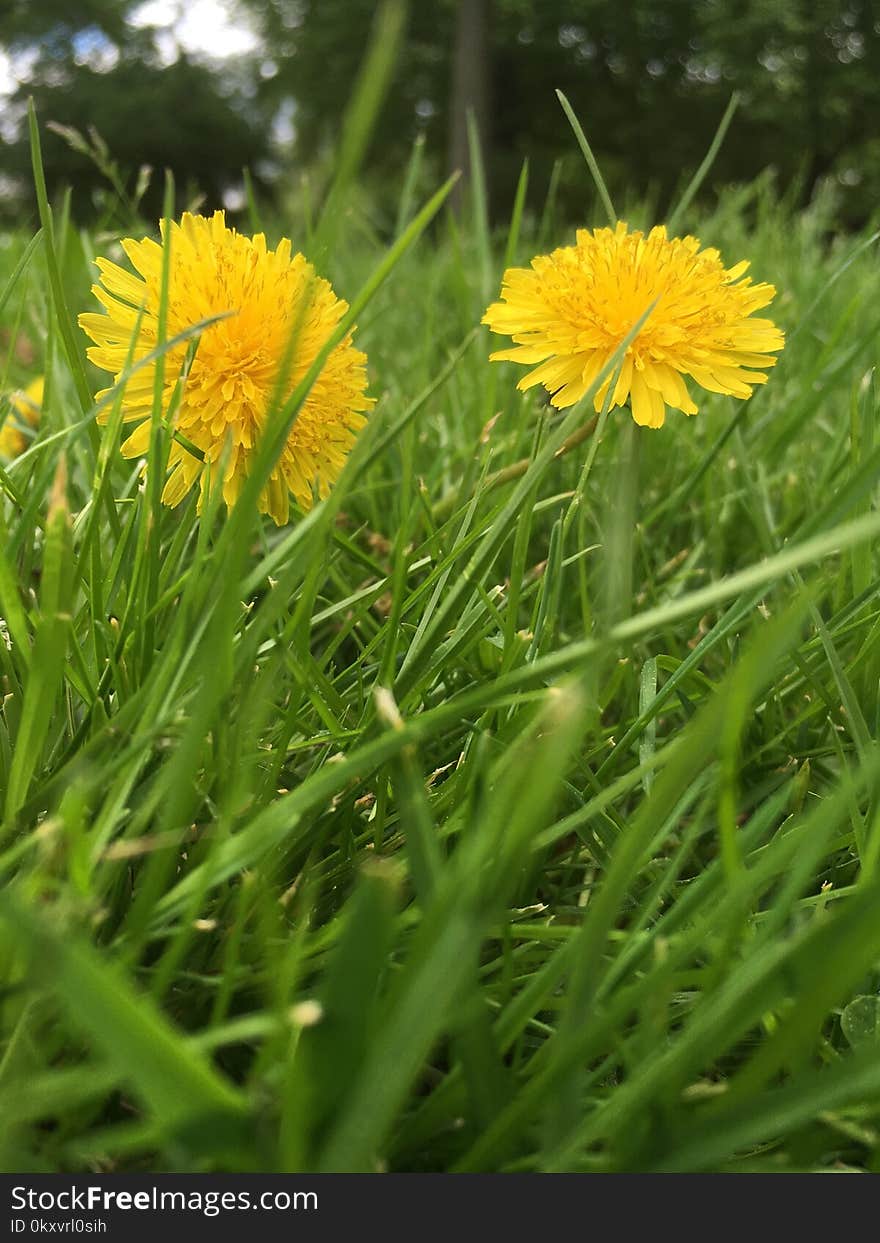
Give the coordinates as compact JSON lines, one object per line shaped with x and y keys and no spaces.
{"x":210,"y":87}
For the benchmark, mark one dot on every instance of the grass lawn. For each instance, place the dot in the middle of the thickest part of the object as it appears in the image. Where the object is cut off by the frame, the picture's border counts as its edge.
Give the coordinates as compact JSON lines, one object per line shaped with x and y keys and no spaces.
{"x":511,"y":810}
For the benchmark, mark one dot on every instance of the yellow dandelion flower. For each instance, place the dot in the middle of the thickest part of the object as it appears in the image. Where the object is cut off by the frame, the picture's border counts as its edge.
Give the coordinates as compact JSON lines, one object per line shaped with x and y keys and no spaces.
{"x":270,"y":297}
{"x":571,"y":309}
{"x":26,"y":405}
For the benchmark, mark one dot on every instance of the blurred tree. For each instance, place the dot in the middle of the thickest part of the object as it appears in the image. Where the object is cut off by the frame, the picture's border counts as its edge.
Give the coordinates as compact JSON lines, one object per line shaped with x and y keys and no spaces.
{"x":650,"y":82}
{"x":810,"y":74}
{"x":469,"y":95}
{"x":172,"y":116}
{"x":90,"y":70}
{"x":27,"y":20}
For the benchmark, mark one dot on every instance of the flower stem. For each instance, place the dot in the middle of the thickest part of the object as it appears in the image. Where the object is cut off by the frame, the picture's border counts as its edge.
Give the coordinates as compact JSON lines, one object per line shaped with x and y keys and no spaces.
{"x":445,"y":506}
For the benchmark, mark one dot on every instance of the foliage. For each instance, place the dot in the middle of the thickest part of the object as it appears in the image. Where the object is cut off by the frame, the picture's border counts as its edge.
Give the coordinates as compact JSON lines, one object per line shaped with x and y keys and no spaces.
{"x":55,"y":20}
{"x":183,"y":116}
{"x":650,"y":80}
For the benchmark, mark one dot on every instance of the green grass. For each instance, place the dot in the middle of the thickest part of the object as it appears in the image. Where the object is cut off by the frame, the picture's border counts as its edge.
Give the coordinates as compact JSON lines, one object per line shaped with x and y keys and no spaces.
{"x":509,"y":811}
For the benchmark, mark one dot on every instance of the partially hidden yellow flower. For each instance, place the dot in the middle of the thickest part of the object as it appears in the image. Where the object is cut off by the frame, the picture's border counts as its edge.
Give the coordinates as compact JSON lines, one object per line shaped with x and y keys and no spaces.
{"x":26,"y":405}
{"x":570,"y":311}
{"x":279,"y":315}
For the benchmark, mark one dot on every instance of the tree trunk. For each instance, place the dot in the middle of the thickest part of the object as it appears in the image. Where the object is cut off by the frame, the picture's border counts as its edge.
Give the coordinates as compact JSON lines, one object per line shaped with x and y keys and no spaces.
{"x":470,"y":87}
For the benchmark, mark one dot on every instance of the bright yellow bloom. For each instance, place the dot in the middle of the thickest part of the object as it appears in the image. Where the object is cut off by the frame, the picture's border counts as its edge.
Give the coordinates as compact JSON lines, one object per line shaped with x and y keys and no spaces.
{"x":272,"y":299}
{"x":26,"y":405}
{"x":571,"y":309}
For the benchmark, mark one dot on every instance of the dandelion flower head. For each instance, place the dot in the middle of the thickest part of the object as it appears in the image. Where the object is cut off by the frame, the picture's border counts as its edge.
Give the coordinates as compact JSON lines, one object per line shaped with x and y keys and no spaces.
{"x":570,"y":310}
{"x":25,"y":412}
{"x":278,"y":316}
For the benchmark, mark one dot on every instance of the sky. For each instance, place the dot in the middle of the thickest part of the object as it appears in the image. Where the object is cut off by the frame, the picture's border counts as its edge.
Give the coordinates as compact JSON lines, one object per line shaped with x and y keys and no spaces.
{"x":211,"y":28}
